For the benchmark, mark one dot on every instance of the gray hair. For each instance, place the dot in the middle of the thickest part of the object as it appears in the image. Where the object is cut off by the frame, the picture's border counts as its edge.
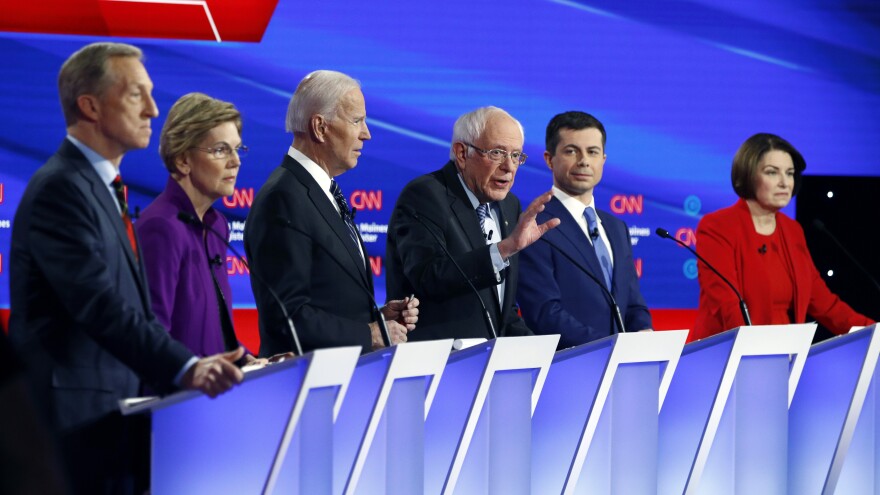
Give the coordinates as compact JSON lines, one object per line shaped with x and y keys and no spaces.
{"x":318,"y":93}
{"x":85,"y":73}
{"x":470,"y":126}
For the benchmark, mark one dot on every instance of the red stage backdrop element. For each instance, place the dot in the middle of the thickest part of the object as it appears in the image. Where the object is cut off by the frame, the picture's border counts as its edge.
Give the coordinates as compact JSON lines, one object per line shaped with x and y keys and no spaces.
{"x":218,"y":20}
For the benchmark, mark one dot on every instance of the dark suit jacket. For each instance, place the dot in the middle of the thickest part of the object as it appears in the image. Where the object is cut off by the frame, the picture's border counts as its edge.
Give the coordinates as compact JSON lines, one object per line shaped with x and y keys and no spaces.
{"x":311,"y":264}
{"x":724,"y":238}
{"x":81,"y":315}
{"x":556,"y":297}
{"x":415,"y":263}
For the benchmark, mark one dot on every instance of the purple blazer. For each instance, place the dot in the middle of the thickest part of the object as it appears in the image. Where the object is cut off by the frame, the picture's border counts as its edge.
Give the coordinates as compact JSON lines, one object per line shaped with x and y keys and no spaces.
{"x":179,"y":273}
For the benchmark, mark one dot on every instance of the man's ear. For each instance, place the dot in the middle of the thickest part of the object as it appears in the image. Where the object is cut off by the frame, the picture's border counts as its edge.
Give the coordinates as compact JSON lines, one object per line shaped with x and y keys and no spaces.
{"x":89,"y":106}
{"x":460,"y":152}
{"x":318,"y":127}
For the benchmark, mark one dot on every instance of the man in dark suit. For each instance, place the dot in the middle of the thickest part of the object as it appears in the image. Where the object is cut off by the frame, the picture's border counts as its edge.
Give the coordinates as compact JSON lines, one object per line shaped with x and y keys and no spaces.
{"x":465,"y":208}
{"x":300,"y":238}
{"x":80,"y":310}
{"x":555,"y":294}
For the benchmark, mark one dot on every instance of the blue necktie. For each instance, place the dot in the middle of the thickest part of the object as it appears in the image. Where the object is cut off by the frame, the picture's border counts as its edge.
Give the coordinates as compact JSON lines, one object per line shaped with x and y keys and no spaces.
{"x":599,"y":245}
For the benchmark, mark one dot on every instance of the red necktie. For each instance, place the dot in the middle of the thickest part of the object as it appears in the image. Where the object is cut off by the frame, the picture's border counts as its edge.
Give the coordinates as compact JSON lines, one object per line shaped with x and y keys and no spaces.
{"x":119,"y":187}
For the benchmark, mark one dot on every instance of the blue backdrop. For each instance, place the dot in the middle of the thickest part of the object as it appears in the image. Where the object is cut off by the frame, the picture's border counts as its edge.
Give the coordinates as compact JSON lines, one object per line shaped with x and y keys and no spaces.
{"x":679,"y":85}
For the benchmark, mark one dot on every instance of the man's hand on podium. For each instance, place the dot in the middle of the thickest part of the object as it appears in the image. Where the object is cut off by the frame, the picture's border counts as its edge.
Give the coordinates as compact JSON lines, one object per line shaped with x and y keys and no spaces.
{"x":215,"y":374}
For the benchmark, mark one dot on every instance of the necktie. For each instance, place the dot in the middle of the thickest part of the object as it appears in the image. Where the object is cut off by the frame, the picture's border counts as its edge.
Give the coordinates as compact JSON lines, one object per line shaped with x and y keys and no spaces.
{"x":482,"y":213}
{"x":599,"y":245}
{"x":346,"y":213}
{"x":119,"y":188}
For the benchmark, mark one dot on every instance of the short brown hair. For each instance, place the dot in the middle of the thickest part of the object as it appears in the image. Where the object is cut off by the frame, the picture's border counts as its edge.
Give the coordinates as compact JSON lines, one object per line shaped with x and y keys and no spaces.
{"x":745,"y":162}
{"x":189,"y":120}
{"x":85,"y":73}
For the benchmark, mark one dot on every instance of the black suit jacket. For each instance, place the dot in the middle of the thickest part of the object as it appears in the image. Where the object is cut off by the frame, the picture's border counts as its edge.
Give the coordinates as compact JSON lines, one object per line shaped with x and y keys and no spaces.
{"x":415,"y":263}
{"x":80,"y":308}
{"x":311,"y":264}
{"x":558,"y":298}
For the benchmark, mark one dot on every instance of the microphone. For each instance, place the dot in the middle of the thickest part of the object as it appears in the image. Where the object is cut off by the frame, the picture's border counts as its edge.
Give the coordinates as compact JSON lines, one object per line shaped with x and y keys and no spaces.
{"x":742,"y":303}
{"x":190,"y":219}
{"x":216,"y":260}
{"x":821,"y":227}
{"x":594,"y":234}
{"x":386,"y":336}
{"x":600,"y":283}
{"x":762,"y":249}
{"x":418,"y":218}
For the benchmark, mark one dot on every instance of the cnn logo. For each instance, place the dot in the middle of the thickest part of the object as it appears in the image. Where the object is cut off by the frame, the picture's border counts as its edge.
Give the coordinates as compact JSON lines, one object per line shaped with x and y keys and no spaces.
{"x":687,"y":236}
{"x":366,"y":200}
{"x":241,"y":198}
{"x":621,"y":203}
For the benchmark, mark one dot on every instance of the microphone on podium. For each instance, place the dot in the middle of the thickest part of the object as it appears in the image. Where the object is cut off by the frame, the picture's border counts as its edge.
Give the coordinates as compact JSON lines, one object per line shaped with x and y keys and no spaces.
{"x":402,"y":231}
{"x":613,"y":302}
{"x":190,"y":219}
{"x":744,"y":310}
{"x":380,"y":319}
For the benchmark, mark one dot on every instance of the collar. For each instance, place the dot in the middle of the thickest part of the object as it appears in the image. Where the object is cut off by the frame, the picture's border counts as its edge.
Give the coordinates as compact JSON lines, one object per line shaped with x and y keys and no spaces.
{"x":315,"y":170}
{"x":471,"y":196}
{"x":575,"y":206}
{"x":176,"y":196}
{"x":104,"y":167}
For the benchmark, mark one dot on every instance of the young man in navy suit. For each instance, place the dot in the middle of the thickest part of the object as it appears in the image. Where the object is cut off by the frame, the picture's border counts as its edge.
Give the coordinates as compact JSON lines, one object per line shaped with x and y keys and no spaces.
{"x":555,"y":294}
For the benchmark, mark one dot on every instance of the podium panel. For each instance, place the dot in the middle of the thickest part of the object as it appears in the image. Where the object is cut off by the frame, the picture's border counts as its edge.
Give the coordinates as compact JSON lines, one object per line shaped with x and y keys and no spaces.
{"x":478,"y":431}
{"x":270,"y":434}
{"x":598,"y":414}
{"x":724,"y":424}
{"x":379,"y":432}
{"x":833,"y":417}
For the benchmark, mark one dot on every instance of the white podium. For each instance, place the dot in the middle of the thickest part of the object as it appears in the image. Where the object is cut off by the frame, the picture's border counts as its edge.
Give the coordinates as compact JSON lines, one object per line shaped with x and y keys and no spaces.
{"x":833,"y":419}
{"x":271,"y":434}
{"x":595,"y":427}
{"x":379,"y":432}
{"x":478,"y":431}
{"x":724,"y":424}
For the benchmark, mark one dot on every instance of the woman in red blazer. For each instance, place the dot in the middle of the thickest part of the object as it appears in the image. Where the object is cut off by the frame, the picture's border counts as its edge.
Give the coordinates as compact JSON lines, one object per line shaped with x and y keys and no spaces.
{"x":762,"y":251}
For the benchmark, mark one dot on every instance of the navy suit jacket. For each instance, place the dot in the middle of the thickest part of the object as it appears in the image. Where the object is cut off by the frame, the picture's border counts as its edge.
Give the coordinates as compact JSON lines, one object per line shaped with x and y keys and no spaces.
{"x":311,"y":264}
{"x":557,"y":297}
{"x":416,"y":264}
{"x":80,"y":307}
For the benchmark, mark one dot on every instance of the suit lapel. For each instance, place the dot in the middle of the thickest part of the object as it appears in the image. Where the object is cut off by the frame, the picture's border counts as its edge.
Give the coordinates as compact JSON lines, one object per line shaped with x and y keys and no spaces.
{"x":464,"y":213}
{"x":461,"y":208}
{"x":107,"y":204}
{"x":576,"y":243}
{"x":331,"y":217}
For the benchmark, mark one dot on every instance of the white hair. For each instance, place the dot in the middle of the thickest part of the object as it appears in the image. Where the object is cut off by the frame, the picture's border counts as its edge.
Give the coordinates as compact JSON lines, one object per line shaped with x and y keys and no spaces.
{"x":318,"y":93}
{"x":470,"y":126}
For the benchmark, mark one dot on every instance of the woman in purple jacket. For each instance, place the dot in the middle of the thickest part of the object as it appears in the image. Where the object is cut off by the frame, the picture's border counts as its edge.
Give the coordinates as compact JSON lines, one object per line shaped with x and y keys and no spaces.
{"x":186,"y":263}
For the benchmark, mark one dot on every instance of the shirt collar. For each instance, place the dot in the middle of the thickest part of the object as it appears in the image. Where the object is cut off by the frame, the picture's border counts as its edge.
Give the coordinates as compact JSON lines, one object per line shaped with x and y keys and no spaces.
{"x":471,"y":196}
{"x":315,"y":170}
{"x":104,"y":167}
{"x":573,"y":205}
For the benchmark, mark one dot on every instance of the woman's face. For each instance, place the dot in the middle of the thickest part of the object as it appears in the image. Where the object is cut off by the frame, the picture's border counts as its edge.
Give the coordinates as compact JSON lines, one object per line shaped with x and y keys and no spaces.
{"x":212,"y":177}
{"x":774,"y":181}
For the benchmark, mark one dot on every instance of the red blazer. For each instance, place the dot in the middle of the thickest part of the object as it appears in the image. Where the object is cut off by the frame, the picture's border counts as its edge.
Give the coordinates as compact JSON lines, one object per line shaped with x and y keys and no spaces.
{"x":723,"y":239}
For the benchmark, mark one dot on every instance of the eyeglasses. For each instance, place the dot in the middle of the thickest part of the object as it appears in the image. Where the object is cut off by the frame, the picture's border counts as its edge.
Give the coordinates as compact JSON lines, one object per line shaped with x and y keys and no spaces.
{"x":500,"y":156}
{"x":223,"y":151}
